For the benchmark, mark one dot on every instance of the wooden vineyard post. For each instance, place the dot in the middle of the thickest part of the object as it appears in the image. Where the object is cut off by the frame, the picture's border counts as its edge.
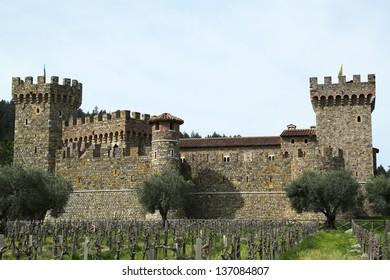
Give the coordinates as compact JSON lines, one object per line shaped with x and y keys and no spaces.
{"x":198,"y":251}
{"x":86,"y":247}
{"x":386,"y":237}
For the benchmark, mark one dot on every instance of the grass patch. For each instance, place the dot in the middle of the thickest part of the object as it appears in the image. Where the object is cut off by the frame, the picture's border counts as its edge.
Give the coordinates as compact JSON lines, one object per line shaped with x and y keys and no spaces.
{"x":326,"y":245}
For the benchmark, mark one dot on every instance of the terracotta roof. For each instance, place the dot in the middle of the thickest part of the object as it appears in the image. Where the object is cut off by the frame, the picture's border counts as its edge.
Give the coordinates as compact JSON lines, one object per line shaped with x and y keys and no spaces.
{"x":229,"y":142}
{"x":165,"y":117}
{"x":298,"y":132}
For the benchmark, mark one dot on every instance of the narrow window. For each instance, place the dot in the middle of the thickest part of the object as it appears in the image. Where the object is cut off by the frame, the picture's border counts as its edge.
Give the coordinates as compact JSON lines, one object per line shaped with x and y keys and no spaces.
{"x":359,"y":119}
{"x":300,"y":153}
{"x":306,"y":141}
{"x":171,"y":153}
{"x":157,"y":126}
{"x":182,"y":159}
{"x":292,"y":141}
{"x":155,"y":155}
{"x":26,"y":121}
{"x":271,"y":157}
{"x":226,"y":159}
{"x":35,"y":150}
{"x":247,"y":178}
{"x":171,"y":126}
{"x":37,"y":110}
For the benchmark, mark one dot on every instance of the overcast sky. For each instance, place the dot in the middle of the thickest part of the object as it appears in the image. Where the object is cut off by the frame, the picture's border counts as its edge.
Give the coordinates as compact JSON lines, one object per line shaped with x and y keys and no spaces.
{"x":234,"y":67}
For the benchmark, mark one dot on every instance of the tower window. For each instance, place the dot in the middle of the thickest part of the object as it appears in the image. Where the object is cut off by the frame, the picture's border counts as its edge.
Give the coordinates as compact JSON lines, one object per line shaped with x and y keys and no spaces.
{"x":171,"y":153}
{"x":35,"y":150}
{"x":306,"y":141}
{"x":157,"y":126}
{"x":37,"y":110}
{"x":300,"y":153}
{"x":271,"y":157}
{"x":26,"y":121}
{"x":155,"y":155}
{"x":226,"y":159}
{"x":182,"y":159}
{"x":171,"y":126}
{"x":359,"y":119}
{"x":292,"y":141}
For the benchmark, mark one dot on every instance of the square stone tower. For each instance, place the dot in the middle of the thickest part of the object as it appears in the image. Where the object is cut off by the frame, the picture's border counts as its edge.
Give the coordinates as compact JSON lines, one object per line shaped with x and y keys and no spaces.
{"x":343,"y":115}
{"x":39,"y":111}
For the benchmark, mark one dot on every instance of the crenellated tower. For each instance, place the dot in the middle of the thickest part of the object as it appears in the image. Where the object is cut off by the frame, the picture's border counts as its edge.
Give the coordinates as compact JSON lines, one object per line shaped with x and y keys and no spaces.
{"x":343,"y":115}
{"x":165,"y":142}
{"x":39,"y":111}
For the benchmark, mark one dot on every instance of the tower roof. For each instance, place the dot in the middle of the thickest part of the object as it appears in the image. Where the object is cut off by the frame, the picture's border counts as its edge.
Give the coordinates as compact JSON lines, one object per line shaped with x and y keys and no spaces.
{"x":165,"y":117}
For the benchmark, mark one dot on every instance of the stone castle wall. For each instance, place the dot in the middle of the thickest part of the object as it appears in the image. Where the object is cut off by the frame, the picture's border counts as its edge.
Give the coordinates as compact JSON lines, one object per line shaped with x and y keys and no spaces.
{"x":107,"y":157}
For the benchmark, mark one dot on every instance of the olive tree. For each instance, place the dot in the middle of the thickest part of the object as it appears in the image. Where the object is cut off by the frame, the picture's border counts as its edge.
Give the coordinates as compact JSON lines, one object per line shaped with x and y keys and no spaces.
{"x":378,"y":194}
{"x":163,"y":192}
{"x":28,"y":194}
{"x":328,"y":193}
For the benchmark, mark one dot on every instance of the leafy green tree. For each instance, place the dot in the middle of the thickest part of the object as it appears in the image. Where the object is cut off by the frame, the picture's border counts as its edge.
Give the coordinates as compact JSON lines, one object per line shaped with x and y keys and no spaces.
{"x":382,"y":171}
{"x":163,"y":192}
{"x":328,"y":193}
{"x":6,"y":152}
{"x":378,"y":194}
{"x":28,"y":194}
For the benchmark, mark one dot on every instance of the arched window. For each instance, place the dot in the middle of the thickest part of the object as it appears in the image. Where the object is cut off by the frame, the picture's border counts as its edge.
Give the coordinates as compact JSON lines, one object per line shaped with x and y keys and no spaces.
{"x":226,"y":159}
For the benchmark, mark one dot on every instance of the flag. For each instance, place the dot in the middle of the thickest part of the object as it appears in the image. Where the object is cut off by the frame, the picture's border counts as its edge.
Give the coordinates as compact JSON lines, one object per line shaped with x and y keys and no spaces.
{"x":341,"y":71}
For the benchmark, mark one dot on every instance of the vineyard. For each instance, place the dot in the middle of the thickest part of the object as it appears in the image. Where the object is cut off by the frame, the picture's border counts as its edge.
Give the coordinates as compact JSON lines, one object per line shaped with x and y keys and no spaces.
{"x":143,"y":240}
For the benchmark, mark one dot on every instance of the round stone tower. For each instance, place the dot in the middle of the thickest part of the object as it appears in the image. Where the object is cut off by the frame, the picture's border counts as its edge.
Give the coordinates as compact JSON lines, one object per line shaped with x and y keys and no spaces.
{"x":39,"y":111}
{"x":165,"y":142}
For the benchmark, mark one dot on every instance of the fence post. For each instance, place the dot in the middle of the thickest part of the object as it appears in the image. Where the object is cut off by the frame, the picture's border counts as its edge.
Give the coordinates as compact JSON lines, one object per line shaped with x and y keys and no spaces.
{"x":386,"y":240}
{"x":86,"y":247}
{"x":198,"y":252}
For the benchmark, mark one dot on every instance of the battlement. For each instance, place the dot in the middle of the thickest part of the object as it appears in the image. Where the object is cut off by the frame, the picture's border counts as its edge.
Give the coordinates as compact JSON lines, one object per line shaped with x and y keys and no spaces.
{"x":342,"y":81}
{"x":25,"y":91}
{"x":17,"y":82}
{"x":121,"y":116}
{"x":353,"y":92}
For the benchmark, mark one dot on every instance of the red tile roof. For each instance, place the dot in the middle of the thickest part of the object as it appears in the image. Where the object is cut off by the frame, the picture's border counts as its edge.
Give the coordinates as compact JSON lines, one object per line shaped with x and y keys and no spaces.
{"x":298,"y":132}
{"x":229,"y":142}
{"x":165,"y":117}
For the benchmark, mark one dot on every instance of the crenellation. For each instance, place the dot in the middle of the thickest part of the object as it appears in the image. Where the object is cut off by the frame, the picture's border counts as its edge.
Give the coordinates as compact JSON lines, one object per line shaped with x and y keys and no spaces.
{"x":41,"y":80}
{"x":327,"y":80}
{"x":136,"y":115}
{"x":342,"y":80}
{"x":29,"y":80}
{"x":66,"y":82}
{"x":356,"y":79}
{"x":54,"y":80}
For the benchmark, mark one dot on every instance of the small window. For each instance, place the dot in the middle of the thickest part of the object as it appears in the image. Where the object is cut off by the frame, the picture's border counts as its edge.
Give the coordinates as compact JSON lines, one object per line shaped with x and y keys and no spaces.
{"x":37,"y":110}
{"x":285,"y":154}
{"x":26,"y":121}
{"x":35,"y":150}
{"x":271,"y":157}
{"x":171,"y":126}
{"x":300,"y":153}
{"x":60,"y":113}
{"x":292,"y":141}
{"x":157,"y":126}
{"x":306,"y":141}
{"x":359,"y":119}
{"x":226,"y":159}
{"x":182,"y":159}
{"x":155,"y":155}
{"x":171,"y":153}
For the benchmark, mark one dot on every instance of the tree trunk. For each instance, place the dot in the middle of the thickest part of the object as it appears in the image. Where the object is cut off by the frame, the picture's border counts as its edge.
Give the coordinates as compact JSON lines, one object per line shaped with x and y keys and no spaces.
{"x":164,"y":216}
{"x":330,"y":221}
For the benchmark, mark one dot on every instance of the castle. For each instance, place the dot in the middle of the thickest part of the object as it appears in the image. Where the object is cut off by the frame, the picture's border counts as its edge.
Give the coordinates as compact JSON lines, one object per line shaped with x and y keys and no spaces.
{"x":107,"y":157}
